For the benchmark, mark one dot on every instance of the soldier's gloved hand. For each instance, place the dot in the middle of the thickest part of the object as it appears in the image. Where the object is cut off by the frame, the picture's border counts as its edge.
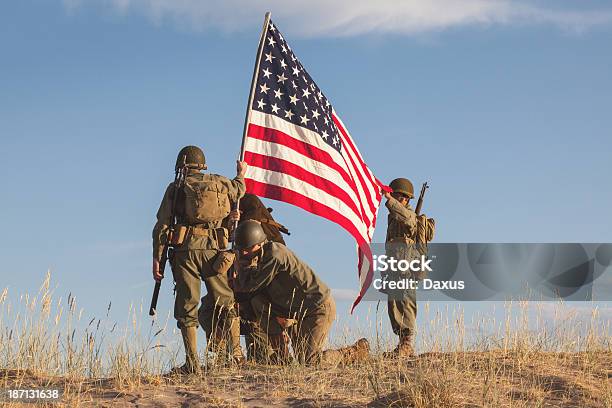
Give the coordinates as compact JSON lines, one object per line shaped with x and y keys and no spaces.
{"x":234,"y":216}
{"x":386,"y":194}
{"x":156,"y":275}
{"x":241,"y":168}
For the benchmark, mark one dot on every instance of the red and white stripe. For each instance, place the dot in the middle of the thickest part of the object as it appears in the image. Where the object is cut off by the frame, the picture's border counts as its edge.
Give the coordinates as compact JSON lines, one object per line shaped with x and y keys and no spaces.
{"x":293,"y":164}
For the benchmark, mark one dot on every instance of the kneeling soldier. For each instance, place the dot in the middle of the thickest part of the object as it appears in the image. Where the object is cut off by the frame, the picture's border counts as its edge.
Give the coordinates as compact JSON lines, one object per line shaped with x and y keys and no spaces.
{"x":265,"y":339}
{"x":294,"y":291}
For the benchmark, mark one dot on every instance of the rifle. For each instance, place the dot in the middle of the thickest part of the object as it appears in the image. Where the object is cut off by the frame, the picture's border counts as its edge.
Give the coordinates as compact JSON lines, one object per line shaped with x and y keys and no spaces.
{"x":424,"y":187}
{"x":179,"y":181}
{"x":280,"y":227}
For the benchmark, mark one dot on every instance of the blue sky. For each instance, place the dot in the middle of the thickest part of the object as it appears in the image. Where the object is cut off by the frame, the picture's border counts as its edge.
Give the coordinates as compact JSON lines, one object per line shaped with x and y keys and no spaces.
{"x":504,"y":107}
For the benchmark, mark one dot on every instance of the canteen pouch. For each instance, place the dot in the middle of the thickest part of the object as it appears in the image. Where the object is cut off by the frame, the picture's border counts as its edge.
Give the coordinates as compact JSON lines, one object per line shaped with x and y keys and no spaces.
{"x":222,"y":235}
{"x":223,"y":262}
{"x":178,"y":235}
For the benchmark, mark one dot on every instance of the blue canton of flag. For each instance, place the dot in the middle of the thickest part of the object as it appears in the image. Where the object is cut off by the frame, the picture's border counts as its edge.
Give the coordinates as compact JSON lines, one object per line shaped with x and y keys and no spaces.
{"x":286,"y":90}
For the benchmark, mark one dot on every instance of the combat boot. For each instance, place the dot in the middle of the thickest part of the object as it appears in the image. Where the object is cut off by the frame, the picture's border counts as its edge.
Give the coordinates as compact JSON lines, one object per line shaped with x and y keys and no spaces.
{"x":360,"y":351}
{"x":403,"y":349}
{"x":217,"y":345}
{"x":192,"y":361}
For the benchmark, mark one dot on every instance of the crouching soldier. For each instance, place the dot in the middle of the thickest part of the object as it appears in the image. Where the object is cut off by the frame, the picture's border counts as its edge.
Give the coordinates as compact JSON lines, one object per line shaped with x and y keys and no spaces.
{"x":407,"y":237}
{"x":266,"y":340}
{"x":300,"y":300}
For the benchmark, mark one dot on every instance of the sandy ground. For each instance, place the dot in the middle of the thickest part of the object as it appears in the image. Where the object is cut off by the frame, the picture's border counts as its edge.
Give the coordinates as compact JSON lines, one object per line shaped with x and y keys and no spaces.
{"x":431,"y":380}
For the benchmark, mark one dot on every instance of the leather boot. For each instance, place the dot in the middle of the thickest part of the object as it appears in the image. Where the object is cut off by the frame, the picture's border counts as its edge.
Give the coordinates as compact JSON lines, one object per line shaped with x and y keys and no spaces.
{"x":359,"y":351}
{"x":190,"y":341}
{"x":403,"y":349}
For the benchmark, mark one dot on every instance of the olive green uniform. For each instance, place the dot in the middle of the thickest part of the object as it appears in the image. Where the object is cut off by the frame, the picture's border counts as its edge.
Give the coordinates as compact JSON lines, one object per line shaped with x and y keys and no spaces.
{"x":401,"y":233}
{"x":192,"y":261}
{"x":294,"y":292}
{"x":259,"y":325}
{"x":252,"y":307}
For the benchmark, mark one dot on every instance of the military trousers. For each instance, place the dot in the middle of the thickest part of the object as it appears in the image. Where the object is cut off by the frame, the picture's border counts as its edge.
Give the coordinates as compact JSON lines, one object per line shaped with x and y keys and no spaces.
{"x":402,"y":310}
{"x":261,"y":324}
{"x":189,"y":268}
{"x":309,"y":334}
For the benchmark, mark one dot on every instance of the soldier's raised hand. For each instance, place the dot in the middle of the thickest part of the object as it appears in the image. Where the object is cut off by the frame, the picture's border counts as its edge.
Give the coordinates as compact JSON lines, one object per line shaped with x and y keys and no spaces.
{"x":241,"y":168}
{"x":234,"y":215}
{"x":386,"y":194}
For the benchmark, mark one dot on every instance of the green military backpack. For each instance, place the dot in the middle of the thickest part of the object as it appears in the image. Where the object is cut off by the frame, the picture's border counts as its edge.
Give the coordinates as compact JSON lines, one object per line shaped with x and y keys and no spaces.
{"x":206,"y":200}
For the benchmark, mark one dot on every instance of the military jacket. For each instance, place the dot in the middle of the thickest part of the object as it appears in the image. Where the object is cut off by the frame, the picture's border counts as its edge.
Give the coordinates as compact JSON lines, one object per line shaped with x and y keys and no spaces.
{"x":401,"y":230}
{"x":288,"y":282}
{"x":234,"y":189}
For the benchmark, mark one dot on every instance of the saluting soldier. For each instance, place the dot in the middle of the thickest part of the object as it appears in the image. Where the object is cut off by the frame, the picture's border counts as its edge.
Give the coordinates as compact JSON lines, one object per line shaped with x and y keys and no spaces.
{"x":407,"y":236}
{"x":201,"y":205}
{"x":295,"y":293}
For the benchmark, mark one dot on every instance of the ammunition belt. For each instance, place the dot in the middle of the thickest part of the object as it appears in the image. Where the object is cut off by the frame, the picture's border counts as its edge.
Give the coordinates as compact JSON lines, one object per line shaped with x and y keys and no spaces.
{"x":219,"y":234}
{"x":197,"y":231}
{"x":202,"y":229}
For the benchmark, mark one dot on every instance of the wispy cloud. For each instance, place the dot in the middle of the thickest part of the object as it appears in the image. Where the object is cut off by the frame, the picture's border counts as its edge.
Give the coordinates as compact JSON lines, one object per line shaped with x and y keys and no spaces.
{"x":355,"y":17}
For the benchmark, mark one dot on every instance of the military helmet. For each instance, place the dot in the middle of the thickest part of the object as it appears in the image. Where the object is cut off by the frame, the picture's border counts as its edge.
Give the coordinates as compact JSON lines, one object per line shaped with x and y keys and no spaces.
{"x":248,"y":233}
{"x":192,"y":156}
{"x":403,"y":186}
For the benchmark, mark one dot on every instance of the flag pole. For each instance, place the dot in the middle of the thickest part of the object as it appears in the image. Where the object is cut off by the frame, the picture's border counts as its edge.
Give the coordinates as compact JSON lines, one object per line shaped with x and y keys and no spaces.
{"x":247,"y":116}
{"x":260,"y":48}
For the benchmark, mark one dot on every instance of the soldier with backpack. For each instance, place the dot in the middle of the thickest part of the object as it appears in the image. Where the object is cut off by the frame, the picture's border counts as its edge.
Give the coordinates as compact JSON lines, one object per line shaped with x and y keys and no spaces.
{"x":198,"y":239}
{"x":407,"y":235}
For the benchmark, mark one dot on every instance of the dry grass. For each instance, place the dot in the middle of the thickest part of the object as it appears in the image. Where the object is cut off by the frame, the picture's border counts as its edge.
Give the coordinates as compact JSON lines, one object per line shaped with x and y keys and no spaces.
{"x":527,"y":360}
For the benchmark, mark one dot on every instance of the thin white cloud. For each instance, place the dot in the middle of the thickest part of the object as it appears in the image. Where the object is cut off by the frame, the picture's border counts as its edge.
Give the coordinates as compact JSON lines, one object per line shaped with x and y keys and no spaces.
{"x":354,"y":17}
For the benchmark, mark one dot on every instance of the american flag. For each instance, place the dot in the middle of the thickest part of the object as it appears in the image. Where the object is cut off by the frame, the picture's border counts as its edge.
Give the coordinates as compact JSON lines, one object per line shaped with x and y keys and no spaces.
{"x":300,"y":152}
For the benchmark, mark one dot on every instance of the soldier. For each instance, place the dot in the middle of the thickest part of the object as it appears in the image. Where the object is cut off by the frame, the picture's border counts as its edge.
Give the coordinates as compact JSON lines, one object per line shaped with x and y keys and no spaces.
{"x":403,"y":231}
{"x":251,"y":306}
{"x":251,"y":208}
{"x":295,"y":293}
{"x":201,"y":206}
